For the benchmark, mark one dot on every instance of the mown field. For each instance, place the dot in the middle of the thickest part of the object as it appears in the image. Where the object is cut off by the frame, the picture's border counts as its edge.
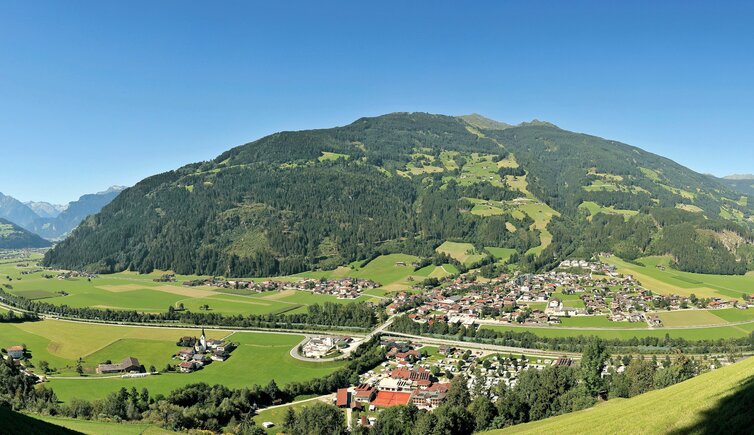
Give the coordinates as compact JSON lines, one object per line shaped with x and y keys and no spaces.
{"x":714,"y":402}
{"x":671,"y":281}
{"x":132,"y":291}
{"x":259,"y":358}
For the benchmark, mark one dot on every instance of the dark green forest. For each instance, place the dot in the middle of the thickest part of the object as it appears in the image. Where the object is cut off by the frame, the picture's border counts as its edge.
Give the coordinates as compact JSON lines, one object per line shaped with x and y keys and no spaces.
{"x":279,"y":206}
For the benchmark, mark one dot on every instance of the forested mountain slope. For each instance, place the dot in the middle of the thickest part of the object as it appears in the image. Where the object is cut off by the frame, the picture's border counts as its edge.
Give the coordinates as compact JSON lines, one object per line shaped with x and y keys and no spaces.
{"x":14,"y":237}
{"x":406,"y":182}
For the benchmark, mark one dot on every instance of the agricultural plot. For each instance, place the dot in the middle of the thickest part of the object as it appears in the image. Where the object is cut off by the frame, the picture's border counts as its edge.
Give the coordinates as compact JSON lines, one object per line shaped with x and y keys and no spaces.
{"x":259,"y":358}
{"x":395,"y":272}
{"x":500,"y":254}
{"x":593,"y":208}
{"x":463,"y":252}
{"x":656,"y":275}
{"x":131,"y":291}
{"x":595,"y":322}
{"x":689,"y":318}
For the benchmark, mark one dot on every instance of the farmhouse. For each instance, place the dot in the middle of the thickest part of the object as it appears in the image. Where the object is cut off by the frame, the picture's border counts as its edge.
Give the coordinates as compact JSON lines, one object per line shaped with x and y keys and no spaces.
{"x":128,"y":365}
{"x":16,"y":352}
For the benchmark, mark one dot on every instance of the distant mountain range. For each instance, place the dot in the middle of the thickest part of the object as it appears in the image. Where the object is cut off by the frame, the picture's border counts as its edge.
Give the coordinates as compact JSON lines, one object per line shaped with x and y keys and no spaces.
{"x":54,"y":221}
{"x":742,"y":183}
{"x":407,"y":182}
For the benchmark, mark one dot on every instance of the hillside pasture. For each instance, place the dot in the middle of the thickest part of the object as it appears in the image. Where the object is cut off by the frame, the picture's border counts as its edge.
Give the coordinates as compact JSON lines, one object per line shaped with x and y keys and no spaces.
{"x":465,"y":253}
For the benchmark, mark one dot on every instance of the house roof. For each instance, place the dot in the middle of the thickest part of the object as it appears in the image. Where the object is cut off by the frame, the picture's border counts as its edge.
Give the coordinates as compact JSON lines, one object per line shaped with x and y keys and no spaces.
{"x":342,"y":397}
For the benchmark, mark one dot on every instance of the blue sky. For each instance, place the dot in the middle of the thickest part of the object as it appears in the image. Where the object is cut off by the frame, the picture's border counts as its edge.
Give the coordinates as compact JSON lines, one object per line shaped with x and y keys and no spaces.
{"x":100,"y":93}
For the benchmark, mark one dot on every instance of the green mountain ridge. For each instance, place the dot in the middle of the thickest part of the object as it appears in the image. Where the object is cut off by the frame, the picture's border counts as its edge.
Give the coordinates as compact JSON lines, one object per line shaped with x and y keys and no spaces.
{"x":406,"y":182}
{"x":14,"y":237}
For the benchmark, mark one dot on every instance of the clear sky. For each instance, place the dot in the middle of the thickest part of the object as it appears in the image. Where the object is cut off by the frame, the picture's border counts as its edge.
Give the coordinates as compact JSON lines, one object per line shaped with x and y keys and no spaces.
{"x":96,"y":93}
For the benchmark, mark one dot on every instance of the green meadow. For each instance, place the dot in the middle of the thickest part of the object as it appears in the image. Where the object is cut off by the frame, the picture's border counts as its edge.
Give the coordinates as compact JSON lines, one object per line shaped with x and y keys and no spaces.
{"x":259,"y":358}
{"x":671,"y":281}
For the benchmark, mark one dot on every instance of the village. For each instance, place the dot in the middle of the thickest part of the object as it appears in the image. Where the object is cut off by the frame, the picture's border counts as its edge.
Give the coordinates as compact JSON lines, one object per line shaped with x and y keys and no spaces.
{"x":198,"y":352}
{"x":577,"y":288}
{"x":346,"y":288}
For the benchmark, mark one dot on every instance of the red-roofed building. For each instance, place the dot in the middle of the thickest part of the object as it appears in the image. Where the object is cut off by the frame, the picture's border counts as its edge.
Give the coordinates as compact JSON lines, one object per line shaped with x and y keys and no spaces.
{"x":341,"y":399}
{"x":386,"y":399}
{"x":419,"y":374}
{"x":364,"y":393}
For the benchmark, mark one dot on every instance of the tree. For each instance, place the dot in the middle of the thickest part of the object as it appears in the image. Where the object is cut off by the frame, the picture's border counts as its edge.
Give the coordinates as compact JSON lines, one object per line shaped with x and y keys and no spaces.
{"x":397,"y":420}
{"x":593,"y":362}
{"x":453,"y":420}
{"x":289,"y":420}
{"x":458,"y":393}
{"x":641,"y":373}
{"x":483,"y":411}
{"x":320,"y":418}
{"x":44,"y":366}
{"x":79,"y":369}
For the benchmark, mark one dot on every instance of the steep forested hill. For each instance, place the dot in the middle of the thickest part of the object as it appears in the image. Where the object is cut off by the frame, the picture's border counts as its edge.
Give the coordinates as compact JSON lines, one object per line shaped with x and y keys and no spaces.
{"x":14,"y":237}
{"x":407,"y":182}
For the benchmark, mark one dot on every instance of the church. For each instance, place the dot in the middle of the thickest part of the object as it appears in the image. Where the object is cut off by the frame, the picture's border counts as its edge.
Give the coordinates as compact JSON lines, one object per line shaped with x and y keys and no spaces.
{"x":201,"y":345}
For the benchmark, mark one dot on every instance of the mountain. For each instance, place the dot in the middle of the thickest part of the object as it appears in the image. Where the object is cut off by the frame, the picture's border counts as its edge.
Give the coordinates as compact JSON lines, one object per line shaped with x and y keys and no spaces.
{"x":716,"y":402}
{"x":741,"y":183}
{"x":45,"y":209}
{"x":14,"y":237}
{"x":739,"y":177}
{"x":480,"y":121}
{"x":406,"y":182}
{"x":57,"y":227}
{"x":16,"y":211}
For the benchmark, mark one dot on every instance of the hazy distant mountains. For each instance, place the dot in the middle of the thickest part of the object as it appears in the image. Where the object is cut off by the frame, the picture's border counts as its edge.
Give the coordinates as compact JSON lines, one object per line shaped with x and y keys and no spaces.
{"x":14,"y":237}
{"x":743,"y":183}
{"x":54,"y":221}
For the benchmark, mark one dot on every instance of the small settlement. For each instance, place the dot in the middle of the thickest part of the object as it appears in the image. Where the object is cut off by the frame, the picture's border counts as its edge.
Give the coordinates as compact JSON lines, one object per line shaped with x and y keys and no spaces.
{"x":198,"y":352}
{"x":346,"y":288}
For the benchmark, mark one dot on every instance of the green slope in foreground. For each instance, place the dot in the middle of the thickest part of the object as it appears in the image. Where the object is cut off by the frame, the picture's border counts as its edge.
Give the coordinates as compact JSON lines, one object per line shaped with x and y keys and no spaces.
{"x":715,"y":402}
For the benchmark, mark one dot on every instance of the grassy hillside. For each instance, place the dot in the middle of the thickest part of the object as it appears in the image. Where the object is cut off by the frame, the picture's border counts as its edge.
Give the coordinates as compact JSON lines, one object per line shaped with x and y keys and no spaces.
{"x":715,"y":402}
{"x":407,"y":183}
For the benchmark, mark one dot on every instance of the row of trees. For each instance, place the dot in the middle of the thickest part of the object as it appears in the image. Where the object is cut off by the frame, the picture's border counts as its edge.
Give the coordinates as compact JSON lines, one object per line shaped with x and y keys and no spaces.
{"x":568,"y":344}
{"x":357,"y":315}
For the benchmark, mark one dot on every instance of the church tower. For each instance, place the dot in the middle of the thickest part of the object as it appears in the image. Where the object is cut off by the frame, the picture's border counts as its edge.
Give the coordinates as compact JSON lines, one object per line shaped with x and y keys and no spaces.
{"x":201,"y":345}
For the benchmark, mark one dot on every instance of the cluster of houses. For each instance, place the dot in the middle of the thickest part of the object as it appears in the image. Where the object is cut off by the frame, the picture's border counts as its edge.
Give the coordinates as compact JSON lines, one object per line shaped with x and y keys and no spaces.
{"x":200,"y":352}
{"x":411,"y":376}
{"x":75,"y":274}
{"x":346,"y":288}
{"x":545,"y":298}
{"x":321,"y":347}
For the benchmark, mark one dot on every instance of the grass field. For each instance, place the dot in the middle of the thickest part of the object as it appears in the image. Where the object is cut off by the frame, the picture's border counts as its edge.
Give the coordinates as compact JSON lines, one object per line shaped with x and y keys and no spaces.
{"x":276,"y":415}
{"x":690,"y":318}
{"x":714,"y":402}
{"x":593,"y":208}
{"x":101,"y":427}
{"x":131,"y":291}
{"x":259,"y":358}
{"x":595,"y":322}
{"x":671,"y":281}
{"x":463,"y":252}
{"x":500,"y":254}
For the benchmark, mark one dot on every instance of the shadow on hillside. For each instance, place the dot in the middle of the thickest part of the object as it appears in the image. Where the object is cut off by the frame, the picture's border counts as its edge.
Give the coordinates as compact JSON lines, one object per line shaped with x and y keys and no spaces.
{"x":732,"y":414}
{"x":15,"y":423}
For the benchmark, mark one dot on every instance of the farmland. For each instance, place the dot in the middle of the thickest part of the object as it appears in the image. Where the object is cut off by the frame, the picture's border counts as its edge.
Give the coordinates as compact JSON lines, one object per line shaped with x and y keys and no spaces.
{"x":62,"y":343}
{"x":623,"y":332}
{"x":655,"y":274}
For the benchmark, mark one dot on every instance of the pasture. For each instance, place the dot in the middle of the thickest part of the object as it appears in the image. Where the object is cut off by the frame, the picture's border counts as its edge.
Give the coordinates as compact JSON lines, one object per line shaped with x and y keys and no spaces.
{"x":132,"y":291}
{"x":463,"y":252}
{"x":670,"y":281}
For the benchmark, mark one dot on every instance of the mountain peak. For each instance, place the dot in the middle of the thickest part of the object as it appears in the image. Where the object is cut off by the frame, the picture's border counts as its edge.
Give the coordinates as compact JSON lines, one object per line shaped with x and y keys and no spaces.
{"x":737,"y":177}
{"x":480,"y":121}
